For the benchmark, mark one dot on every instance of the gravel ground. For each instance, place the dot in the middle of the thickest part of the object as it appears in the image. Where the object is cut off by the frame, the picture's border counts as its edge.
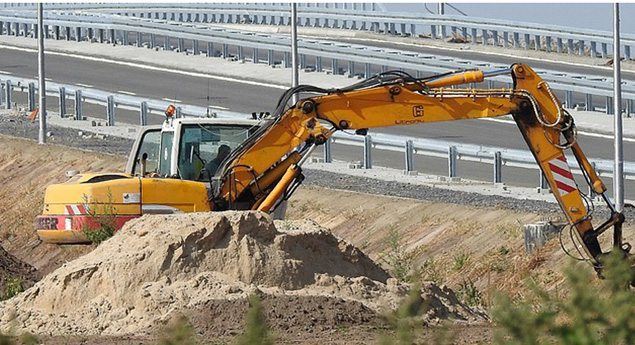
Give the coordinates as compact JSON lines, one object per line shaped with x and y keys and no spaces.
{"x":405,"y":190}
{"x":16,"y":124}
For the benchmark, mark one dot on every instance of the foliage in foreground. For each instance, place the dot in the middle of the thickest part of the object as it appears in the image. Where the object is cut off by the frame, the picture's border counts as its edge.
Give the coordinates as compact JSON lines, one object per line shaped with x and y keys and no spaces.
{"x":589,"y":314}
{"x":178,"y":332}
{"x":405,"y":321}
{"x":256,"y":327}
{"x":25,"y":339}
{"x":4,"y":340}
{"x":29,"y":339}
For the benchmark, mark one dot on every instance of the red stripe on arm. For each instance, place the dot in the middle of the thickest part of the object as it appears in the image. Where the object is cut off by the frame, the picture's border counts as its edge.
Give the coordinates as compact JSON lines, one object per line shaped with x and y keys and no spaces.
{"x":565,"y":187}
{"x":560,"y":171}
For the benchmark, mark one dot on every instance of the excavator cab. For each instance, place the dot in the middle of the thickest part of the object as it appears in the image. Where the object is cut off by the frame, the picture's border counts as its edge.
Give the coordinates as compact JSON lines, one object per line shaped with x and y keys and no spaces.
{"x":186,"y":148}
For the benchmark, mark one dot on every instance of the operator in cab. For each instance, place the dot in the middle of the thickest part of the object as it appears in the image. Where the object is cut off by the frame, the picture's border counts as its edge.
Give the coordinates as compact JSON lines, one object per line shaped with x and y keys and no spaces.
{"x":223,"y":152}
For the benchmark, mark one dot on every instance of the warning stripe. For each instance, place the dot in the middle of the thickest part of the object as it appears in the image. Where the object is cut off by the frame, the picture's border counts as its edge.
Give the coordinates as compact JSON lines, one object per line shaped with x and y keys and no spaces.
{"x":565,"y":173}
{"x":562,"y":175}
{"x":564,"y":187}
{"x":73,"y":210}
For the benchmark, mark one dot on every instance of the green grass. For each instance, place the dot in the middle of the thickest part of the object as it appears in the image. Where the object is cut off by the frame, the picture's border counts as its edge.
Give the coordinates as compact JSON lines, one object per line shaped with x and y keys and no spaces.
{"x":401,"y":262}
{"x":460,"y":260}
{"x":405,"y":322}
{"x":178,"y":332}
{"x":469,"y":294}
{"x":13,"y":286}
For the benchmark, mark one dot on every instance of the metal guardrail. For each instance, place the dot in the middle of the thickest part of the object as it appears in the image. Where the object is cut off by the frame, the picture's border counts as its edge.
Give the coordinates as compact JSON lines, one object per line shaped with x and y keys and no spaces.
{"x":115,"y":29}
{"x":64,"y":92}
{"x":410,"y":146}
{"x":550,"y":38}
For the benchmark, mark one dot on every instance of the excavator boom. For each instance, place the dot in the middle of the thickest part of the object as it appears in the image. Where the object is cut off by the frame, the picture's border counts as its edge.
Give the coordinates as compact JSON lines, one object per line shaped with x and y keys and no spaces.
{"x":402,"y":100}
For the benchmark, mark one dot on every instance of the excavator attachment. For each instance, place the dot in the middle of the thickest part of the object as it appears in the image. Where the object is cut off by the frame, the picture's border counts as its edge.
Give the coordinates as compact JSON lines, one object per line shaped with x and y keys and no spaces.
{"x":395,"y":98}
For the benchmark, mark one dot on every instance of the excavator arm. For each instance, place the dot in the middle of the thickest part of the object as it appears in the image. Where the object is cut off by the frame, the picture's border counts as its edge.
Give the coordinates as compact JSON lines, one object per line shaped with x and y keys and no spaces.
{"x":268,"y":166}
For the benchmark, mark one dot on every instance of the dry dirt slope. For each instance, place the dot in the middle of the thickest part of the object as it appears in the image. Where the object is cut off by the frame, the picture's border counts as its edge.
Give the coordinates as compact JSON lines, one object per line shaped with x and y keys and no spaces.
{"x":458,"y":245}
{"x":26,"y":168}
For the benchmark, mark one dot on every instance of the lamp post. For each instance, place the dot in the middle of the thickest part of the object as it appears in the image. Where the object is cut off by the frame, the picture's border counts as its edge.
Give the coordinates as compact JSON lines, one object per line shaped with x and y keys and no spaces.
{"x":294,"y":50}
{"x":618,"y":170}
{"x":41,"y":86}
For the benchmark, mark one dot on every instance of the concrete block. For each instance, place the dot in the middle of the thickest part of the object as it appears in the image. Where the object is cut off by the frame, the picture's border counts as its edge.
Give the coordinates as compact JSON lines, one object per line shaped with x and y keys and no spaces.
{"x":410,"y":173}
{"x":537,"y":234}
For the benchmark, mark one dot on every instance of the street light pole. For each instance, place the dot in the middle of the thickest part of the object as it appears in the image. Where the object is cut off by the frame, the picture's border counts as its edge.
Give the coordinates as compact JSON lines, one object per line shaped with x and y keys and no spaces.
{"x":41,"y":86}
{"x":618,"y":170}
{"x":440,"y":12}
{"x":294,"y":50}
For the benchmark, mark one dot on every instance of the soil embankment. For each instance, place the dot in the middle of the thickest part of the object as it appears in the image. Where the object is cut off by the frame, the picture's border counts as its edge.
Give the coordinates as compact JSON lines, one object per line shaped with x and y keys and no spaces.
{"x":474,"y":250}
{"x":26,"y":168}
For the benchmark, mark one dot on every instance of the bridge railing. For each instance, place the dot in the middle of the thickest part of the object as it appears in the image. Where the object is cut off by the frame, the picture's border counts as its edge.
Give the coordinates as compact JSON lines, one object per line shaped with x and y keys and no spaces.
{"x":367,"y":17}
{"x":409,"y":146}
{"x":318,"y":55}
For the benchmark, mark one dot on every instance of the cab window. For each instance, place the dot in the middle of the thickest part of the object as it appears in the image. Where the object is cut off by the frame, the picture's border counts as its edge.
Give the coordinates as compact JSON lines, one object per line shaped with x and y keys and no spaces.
{"x":165,"y":153}
{"x":148,"y":149}
{"x":204,"y":147}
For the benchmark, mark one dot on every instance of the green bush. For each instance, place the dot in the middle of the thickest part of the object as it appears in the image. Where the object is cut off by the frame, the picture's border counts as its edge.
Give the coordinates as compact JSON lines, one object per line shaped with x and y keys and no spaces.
{"x":469,"y":294}
{"x":401,"y":262}
{"x":104,"y":215}
{"x":29,"y":339}
{"x":4,"y":340}
{"x":460,"y":260}
{"x":256,"y":327}
{"x":431,"y":272}
{"x":178,"y":332}
{"x":13,"y":286}
{"x":503,"y":250}
{"x":600,"y":314}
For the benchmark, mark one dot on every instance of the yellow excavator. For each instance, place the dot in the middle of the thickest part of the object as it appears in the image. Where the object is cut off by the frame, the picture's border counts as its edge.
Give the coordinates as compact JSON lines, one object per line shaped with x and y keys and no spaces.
{"x":200,"y":165}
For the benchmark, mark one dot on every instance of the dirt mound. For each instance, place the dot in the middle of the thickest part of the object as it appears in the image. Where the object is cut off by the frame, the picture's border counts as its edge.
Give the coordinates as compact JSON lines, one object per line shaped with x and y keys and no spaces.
{"x":159,"y":265}
{"x":15,"y":273}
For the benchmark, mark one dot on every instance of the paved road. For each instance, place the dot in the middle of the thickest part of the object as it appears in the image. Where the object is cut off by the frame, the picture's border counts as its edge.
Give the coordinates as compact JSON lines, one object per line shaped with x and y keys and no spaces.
{"x":248,"y":98}
{"x":471,"y":55}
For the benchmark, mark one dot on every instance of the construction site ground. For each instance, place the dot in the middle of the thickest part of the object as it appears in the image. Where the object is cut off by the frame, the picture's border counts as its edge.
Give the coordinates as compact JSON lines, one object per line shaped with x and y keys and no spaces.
{"x":463,"y":248}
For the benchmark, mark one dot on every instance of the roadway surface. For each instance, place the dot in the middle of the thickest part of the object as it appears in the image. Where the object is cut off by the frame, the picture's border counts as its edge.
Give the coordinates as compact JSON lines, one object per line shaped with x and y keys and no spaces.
{"x":250,"y":98}
{"x":497,"y":58}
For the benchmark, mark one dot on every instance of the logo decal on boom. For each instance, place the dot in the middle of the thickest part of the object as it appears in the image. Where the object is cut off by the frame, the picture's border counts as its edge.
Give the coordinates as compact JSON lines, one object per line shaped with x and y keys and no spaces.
{"x":417,"y":111}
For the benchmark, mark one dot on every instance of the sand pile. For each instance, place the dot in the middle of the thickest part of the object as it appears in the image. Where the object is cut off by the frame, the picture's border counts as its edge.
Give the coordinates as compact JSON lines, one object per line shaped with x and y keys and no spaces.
{"x":207,"y":265}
